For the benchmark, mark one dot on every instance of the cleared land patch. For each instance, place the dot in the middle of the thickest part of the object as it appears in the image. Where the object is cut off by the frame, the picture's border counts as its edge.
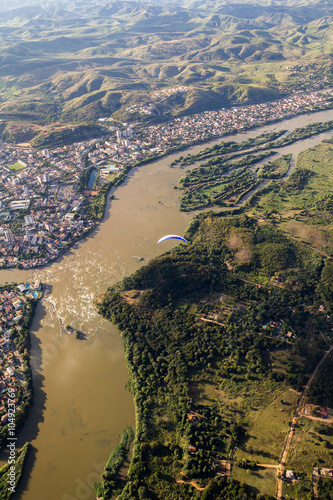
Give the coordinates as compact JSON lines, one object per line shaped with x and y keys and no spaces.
{"x":310,"y":448}
{"x":268,"y":430}
{"x":306,"y":233}
{"x":303,"y":204}
{"x":261,"y":479}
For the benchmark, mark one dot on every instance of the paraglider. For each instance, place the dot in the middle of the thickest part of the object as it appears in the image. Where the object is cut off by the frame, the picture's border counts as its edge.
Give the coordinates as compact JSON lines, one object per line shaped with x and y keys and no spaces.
{"x":172,"y":237}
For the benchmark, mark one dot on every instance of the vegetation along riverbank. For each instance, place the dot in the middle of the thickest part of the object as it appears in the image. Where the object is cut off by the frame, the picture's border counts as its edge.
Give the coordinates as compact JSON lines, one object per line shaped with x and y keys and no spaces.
{"x":222,"y":334}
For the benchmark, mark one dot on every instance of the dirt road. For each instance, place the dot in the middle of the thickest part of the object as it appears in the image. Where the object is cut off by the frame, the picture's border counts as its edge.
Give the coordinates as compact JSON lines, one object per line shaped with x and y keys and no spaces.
{"x":315,"y":483}
{"x":297,"y":414}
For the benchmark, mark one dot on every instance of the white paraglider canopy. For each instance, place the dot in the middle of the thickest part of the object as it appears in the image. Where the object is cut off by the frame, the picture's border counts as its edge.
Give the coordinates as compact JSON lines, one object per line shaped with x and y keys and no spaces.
{"x":172,"y":237}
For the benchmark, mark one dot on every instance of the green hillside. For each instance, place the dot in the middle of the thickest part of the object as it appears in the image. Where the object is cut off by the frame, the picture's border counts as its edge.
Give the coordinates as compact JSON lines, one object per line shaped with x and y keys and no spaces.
{"x":88,"y":59}
{"x":222,"y":334}
{"x":206,"y":333}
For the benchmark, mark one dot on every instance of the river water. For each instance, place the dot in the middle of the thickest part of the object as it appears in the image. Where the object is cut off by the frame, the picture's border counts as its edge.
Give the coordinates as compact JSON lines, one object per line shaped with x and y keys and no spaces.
{"x":81,"y":402}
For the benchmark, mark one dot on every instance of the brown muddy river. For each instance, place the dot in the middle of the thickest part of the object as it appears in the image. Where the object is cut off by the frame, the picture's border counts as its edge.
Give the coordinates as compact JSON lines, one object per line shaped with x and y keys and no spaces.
{"x":81,"y":403}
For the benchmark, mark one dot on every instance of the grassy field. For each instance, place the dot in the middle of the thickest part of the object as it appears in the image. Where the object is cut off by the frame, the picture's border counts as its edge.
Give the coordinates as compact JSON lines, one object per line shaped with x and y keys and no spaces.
{"x":256,"y":393}
{"x":318,"y":160}
{"x":304,"y":211}
{"x":310,"y":448}
{"x":280,"y":358}
{"x":269,"y":429}
{"x":258,"y":277}
{"x":267,"y":412}
{"x":16,"y":166}
{"x":206,"y":394}
{"x":307,"y":234}
{"x":260,"y":404}
{"x":262,"y":480}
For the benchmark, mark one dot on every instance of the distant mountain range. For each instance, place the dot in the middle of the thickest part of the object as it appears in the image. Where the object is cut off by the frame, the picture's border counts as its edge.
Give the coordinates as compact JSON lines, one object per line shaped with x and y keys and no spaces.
{"x":87,"y":59}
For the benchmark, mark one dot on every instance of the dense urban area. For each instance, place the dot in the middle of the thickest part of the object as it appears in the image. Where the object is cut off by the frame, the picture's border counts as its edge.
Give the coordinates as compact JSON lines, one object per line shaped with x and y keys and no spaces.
{"x":16,"y":310}
{"x":46,"y":195}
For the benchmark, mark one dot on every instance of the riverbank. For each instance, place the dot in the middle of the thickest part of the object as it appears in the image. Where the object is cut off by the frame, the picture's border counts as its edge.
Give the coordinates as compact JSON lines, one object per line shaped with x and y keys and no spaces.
{"x":177,"y":337}
{"x":221,"y":181}
{"x":148,"y":350}
{"x":86,"y":212}
{"x":17,"y":310}
{"x":69,"y":436}
{"x":16,"y":315}
{"x":11,"y":473}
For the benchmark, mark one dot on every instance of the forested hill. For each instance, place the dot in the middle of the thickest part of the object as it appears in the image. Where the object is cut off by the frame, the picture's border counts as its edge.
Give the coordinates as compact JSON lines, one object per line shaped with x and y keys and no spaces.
{"x":232,"y":316}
